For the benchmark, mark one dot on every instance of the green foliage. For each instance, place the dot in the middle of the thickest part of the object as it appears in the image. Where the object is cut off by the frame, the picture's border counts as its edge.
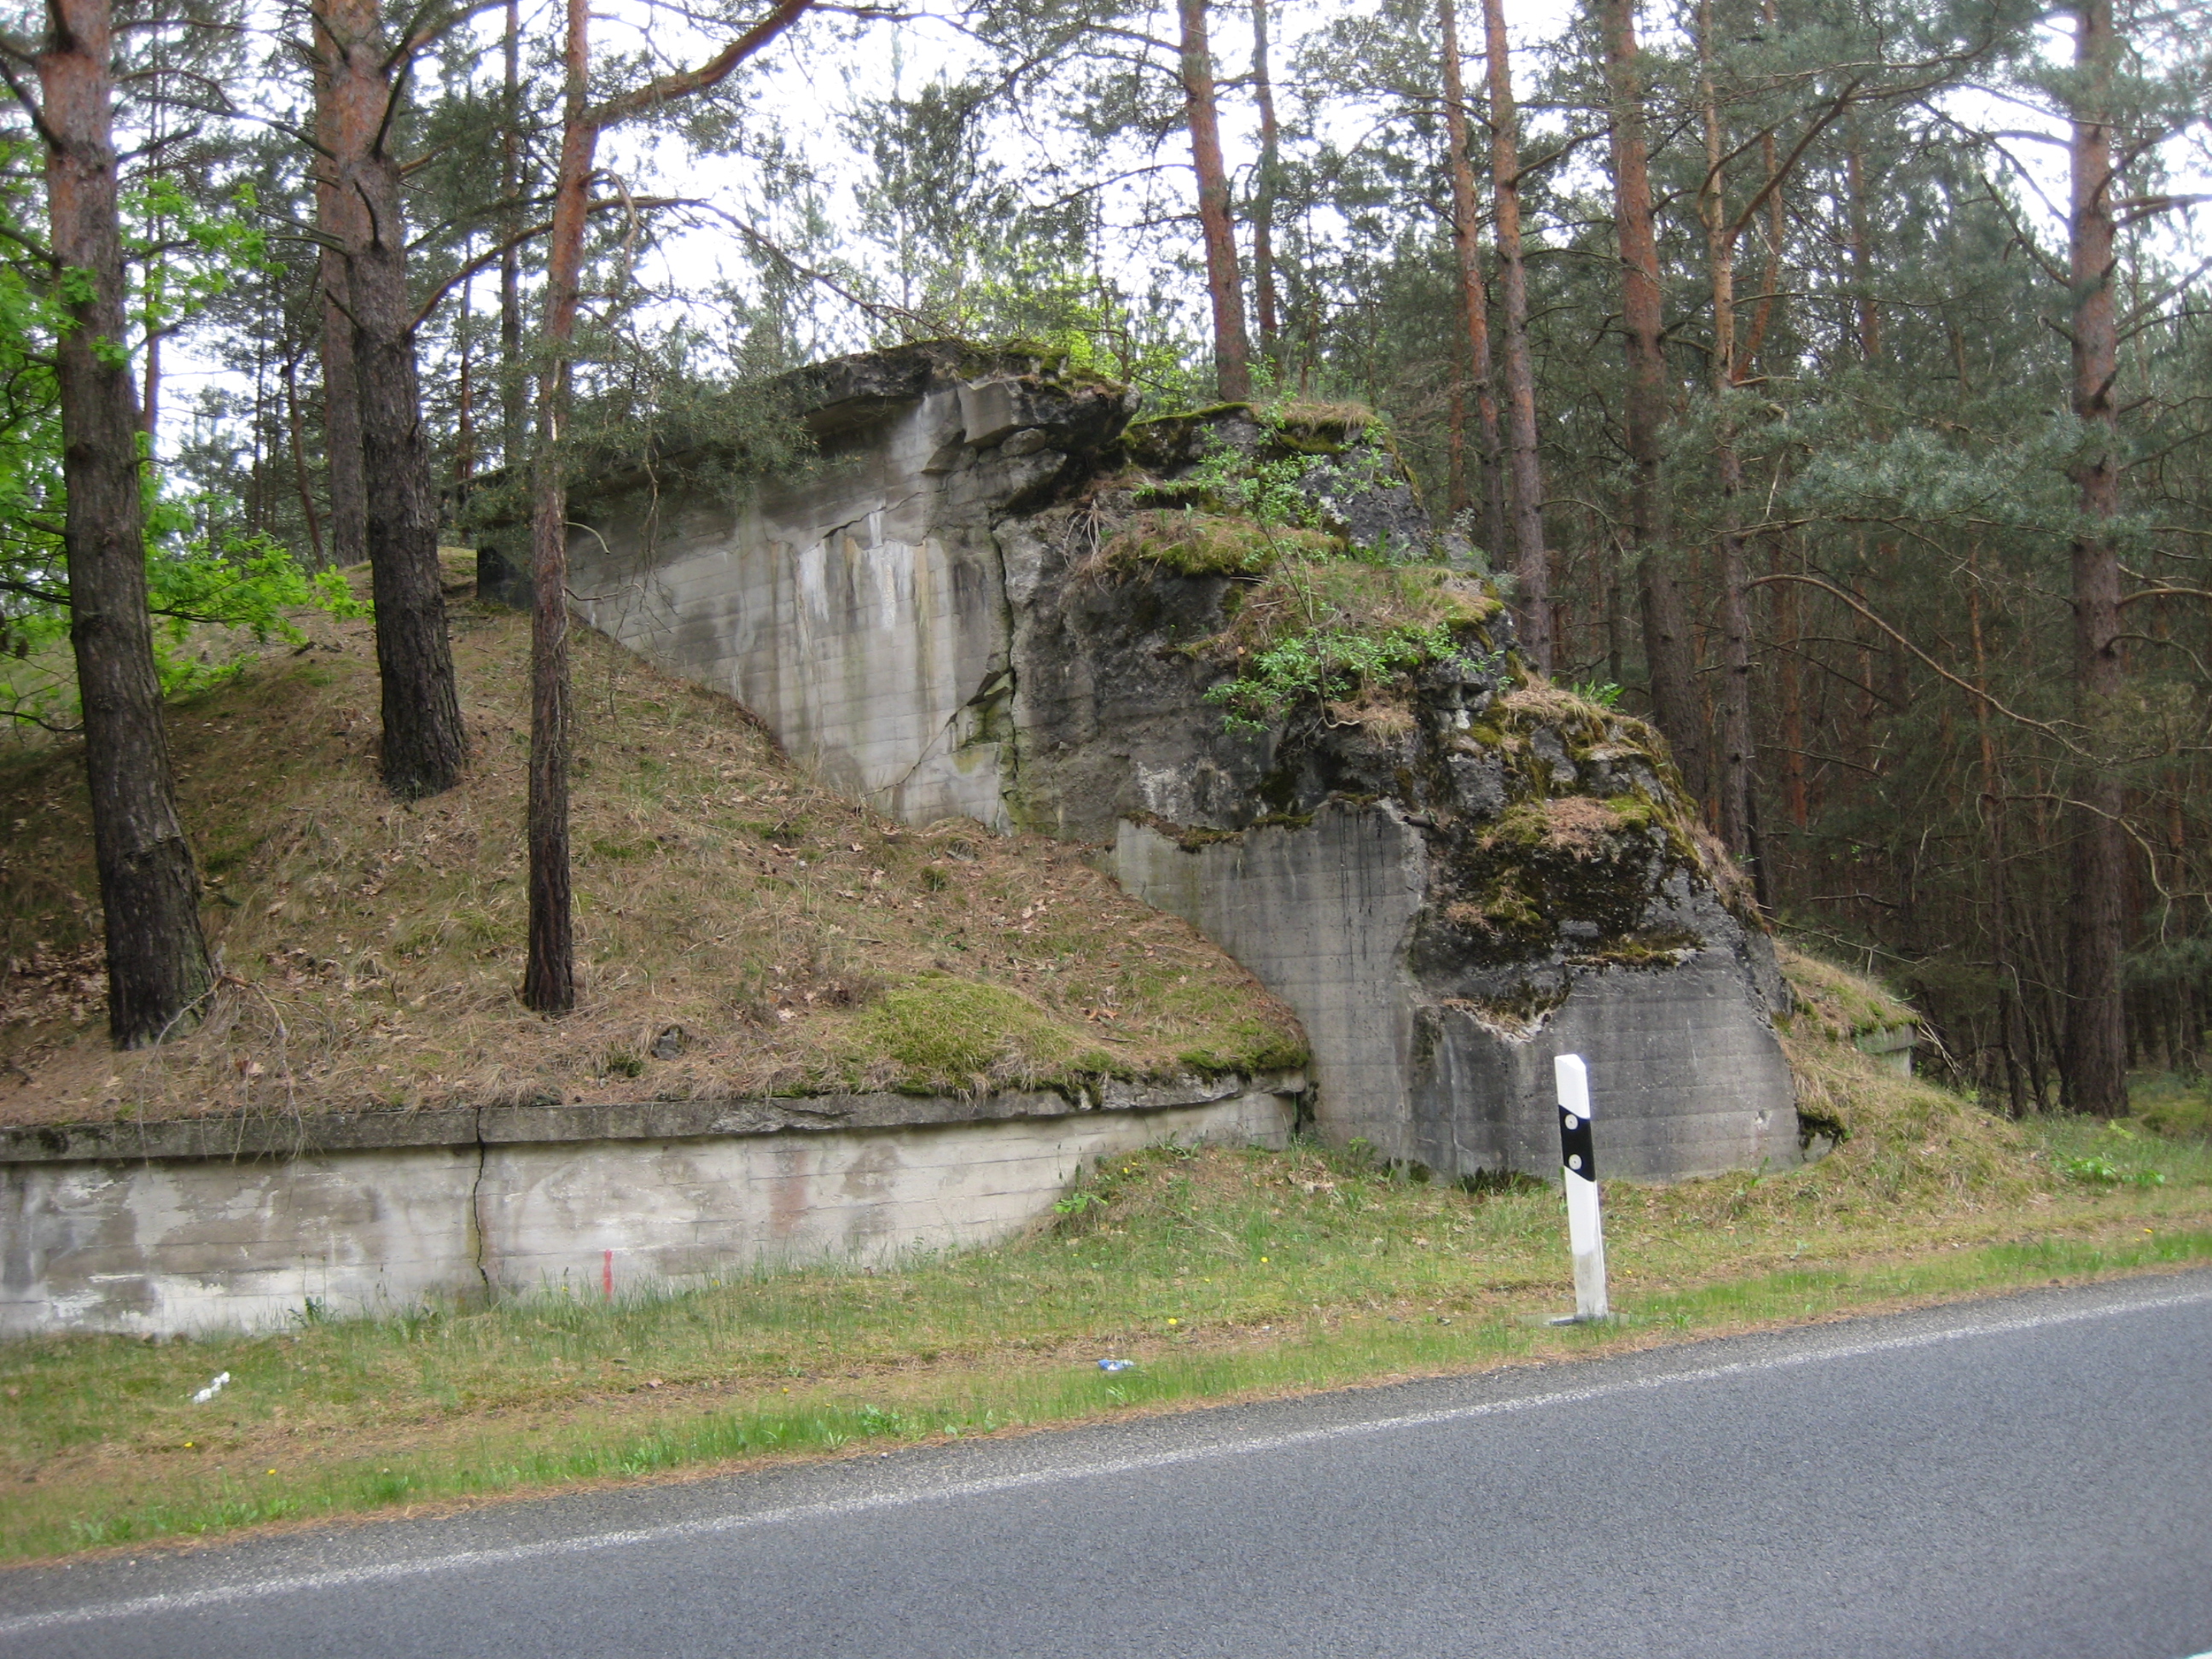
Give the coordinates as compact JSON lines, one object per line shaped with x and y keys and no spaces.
{"x":197,"y":578}
{"x":1269,"y":492}
{"x":1328,"y":663}
{"x":248,"y":585}
{"x":185,"y":256}
{"x":2097,"y":1170}
{"x":1320,"y":619}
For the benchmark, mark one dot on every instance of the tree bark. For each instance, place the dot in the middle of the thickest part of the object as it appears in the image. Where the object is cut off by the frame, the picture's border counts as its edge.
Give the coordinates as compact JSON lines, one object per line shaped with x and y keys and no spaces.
{"x":1474,"y":298}
{"x":1868,"y":314}
{"x":548,"y":980}
{"x":2011,"y":1028}
{"x":1789,"y":644}
{"x":1232,"y":353}
{"x":1457,"y":496}
{"x":338,"y":216}
{"x":425,"y":743}
{"x":300,"y":481}
{"x":158,"y":971}
{"x":2096,"y":1031}
{"x":513,"y":388}
{"x":1532,"y":559}
{"x":464,"y":414}
{"x":1735,"y":780}
{"x":1667,"y":652}
{"x":1264,"y":186}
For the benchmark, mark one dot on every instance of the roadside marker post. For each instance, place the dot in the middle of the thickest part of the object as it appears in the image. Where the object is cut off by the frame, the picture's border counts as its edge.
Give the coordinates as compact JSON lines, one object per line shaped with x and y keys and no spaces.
{"x":1579,"y":1166}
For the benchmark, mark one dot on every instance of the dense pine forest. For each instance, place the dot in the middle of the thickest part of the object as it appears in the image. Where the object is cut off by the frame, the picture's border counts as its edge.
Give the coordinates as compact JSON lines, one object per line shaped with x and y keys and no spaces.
{"x":1829,"y":380}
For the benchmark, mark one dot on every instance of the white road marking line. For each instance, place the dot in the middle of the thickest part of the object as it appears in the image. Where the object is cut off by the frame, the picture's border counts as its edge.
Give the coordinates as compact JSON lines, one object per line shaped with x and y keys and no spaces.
{"x":346,"y":1577}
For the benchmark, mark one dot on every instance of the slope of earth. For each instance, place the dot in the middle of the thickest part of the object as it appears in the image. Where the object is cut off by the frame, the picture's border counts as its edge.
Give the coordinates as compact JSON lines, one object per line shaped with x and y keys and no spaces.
{"x":741,"y":930}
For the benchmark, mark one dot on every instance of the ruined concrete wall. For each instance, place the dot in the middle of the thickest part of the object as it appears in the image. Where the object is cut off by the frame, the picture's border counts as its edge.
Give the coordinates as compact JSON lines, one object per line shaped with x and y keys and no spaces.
{"x":164,"y":1244}
{"x":957,"y":613}
{"x":859,"y":607}
{"x":1323,"y":915}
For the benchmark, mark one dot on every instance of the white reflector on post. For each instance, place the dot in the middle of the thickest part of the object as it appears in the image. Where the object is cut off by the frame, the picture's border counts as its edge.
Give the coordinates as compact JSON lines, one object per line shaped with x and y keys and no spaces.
{"x":1585,"y":1231}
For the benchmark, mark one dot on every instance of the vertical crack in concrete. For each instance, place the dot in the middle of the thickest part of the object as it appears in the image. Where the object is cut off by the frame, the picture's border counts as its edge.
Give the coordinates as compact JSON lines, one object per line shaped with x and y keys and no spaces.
{"x":476,"y":1204}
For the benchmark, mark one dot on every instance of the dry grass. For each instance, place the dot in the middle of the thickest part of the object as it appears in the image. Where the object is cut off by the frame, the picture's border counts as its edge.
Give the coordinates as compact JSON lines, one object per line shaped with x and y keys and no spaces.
{"x":741,"y":930}
{"x":1194,"y":544}
{"x":1841,"y":1003}
{"x":1540,"y":703}
{"x":1576,"y":825}
{"x":1901,"y":1140}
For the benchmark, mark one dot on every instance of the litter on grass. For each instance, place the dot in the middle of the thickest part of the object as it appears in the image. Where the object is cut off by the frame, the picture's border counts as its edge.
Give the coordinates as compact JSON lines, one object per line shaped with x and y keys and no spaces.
{"x":211,"y":1390}
{"x":1116,"y":1364}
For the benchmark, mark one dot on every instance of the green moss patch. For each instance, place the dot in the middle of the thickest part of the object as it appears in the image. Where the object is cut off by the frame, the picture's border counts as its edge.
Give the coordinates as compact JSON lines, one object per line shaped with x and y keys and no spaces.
{"x":947,"y":1034}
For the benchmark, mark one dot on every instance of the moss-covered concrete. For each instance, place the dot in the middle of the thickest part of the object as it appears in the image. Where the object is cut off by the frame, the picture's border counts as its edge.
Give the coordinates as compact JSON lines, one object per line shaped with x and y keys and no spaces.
{"x":1231,"y":639}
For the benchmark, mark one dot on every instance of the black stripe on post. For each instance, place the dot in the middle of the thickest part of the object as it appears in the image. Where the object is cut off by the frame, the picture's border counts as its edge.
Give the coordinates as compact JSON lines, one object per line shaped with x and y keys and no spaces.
{"x":1575,"y":1145}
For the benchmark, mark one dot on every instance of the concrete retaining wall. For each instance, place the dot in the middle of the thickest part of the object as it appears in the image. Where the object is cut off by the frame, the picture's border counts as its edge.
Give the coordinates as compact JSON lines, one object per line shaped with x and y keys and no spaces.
{"x":162,"y":1243}
{"x":1322,"y":914}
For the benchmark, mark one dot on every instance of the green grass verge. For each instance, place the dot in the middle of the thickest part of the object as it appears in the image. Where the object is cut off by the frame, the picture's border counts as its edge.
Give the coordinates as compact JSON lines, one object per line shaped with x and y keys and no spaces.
{"x":1223,"y":1275}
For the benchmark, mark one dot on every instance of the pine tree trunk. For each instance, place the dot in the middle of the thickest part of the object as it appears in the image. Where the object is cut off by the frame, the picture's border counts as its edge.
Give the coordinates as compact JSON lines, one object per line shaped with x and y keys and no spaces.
{"x":338,"y":216}
{"x":1531,"y":559}
{"x":1667,"y":649}
{"x":1264,"y":187}
{"x":549,"y":981}
{"x":149,"y":411}
{"x":158,"y":971}
{"x":1788,"y":644}
{"x":2096,"y":1029}
{"x":2011,"y":1032}
{"x":1474,"y":298}
{"x":514,"y":387}
{"x":464,"y":414}
{"x":425,"y":743}
{"x":1735,"y":780}
{"x":1231,"y":352}
{"x":1457,"y":495}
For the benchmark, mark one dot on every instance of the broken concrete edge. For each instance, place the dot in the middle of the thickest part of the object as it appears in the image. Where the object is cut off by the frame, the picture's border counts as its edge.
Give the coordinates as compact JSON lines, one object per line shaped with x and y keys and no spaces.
{"x":239,"y":1138}
{"x":827,"y":399}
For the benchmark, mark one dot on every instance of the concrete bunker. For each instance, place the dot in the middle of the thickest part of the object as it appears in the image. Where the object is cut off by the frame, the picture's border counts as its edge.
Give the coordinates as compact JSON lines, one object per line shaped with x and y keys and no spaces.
{"x":996,"y":597}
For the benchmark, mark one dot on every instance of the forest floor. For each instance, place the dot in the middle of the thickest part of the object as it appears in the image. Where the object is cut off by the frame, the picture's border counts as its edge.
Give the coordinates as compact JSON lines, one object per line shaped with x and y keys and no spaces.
{"x":1221,"y":1275}
{"x":742,"y":930}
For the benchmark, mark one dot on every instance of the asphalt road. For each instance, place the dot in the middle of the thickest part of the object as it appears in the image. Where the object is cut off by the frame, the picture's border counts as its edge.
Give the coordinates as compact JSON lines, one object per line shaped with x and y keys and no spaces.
{"x":2018,"y":1478}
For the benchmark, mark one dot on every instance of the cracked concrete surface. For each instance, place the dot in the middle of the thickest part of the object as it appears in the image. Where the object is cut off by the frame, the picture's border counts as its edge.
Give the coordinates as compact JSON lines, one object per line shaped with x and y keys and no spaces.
{"x":159,"y":1245}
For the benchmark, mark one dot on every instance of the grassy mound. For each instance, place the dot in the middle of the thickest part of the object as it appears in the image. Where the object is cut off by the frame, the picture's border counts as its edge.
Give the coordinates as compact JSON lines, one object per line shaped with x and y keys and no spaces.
{"x":741,"y":930}
{"x":2169,"y":1103}
{"x":1899,"y":1141}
